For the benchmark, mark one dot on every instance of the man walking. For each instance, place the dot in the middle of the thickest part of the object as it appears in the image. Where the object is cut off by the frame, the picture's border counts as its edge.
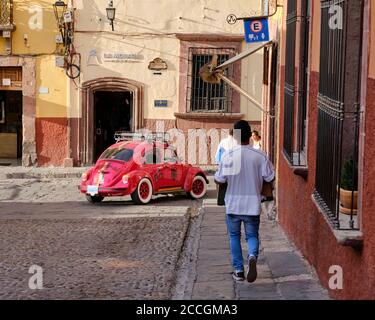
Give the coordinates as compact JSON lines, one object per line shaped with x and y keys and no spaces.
{"x":244,"y":169}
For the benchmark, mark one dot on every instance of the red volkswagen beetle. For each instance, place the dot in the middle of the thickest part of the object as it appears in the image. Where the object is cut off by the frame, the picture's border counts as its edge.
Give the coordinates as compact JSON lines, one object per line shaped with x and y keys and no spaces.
{"x":141,"y":169}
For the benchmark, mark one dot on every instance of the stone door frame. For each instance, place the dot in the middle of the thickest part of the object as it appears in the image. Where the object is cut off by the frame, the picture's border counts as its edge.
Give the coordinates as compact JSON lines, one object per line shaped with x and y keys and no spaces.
{"x":87,"y":119}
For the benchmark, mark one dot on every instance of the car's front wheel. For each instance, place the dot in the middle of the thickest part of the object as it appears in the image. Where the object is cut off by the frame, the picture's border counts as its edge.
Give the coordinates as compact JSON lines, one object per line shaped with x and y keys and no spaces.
{"x":143,"y":193}
{"x":94,"y":199}
{"x":198,"y":188}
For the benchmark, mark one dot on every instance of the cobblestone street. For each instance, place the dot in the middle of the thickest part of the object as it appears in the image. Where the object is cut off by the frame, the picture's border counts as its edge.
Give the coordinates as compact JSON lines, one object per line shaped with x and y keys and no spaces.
{"x":110,"y":251}
{"x":174,"y":248}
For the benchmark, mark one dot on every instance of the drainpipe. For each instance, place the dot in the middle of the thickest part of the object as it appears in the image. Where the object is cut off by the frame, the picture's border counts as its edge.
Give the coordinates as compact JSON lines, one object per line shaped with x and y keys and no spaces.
{"x":68,"y":161}
{"x":266,"y":8}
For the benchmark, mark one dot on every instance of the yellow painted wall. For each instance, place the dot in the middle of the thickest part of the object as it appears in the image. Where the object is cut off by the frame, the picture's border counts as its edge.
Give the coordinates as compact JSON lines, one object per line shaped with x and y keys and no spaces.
{"x":54,"y":103}
{"x":149,"y":27}
{"x":252,"y":80}
{"x":36,"y":20}
{"x":145,"y":26}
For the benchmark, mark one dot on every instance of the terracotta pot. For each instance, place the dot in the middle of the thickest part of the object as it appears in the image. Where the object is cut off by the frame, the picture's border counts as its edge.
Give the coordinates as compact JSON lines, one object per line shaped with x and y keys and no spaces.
{"x":346,"y":201}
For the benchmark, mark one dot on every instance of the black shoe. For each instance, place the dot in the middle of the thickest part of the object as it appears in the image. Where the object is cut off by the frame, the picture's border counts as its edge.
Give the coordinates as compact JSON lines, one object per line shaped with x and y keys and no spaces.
{"x":251,"y":274}
{"x":238,"y":276}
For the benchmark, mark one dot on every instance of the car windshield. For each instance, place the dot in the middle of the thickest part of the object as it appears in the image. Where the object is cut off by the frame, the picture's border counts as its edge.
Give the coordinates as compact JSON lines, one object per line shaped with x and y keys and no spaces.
{"x":122,"y":154}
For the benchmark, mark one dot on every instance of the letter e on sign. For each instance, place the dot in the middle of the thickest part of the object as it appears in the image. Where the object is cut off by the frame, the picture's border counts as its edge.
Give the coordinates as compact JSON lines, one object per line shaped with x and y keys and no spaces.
{"x":256,"y":26}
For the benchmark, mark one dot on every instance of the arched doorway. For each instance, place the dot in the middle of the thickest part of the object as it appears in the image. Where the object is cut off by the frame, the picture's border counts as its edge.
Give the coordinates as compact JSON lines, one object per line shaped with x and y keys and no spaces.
{"x":108,"y":104}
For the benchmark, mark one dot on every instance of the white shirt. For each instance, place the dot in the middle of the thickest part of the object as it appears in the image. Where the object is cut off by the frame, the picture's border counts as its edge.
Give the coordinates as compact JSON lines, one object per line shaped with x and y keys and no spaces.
{"x":257,"y":145}
{"x":225,"y":145}
{"x":244,"y":169}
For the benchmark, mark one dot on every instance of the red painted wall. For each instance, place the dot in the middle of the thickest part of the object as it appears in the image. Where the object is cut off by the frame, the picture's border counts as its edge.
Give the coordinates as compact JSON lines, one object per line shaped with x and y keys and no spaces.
{"x":51,"y":141}
{"x":306,"y":226}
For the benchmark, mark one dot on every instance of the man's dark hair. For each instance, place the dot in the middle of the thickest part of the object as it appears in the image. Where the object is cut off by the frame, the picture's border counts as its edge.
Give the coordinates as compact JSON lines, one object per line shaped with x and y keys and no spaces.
{"x":245,"y":130}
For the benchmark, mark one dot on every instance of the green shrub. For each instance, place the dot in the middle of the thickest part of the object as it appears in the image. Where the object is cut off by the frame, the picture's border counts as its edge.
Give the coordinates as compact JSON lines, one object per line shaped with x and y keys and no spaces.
{"x":349,"y":179}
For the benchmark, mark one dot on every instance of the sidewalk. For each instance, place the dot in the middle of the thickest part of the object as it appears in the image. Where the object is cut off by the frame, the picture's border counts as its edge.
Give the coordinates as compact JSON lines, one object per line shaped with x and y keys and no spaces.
{"x":18,"y":172}
{"x":282,"y":272}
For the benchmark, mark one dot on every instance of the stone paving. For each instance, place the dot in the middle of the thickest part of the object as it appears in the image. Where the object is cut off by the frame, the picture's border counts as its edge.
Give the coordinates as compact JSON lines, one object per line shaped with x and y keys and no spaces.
{"x":282,"y":272}
{"x":114,"y":250}
{"x":17,"y":172}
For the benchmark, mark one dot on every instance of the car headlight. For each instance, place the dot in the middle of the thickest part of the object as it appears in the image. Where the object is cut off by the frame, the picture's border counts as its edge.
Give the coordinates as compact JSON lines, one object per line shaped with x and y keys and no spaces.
{"x":84,"y":177}
{"x":125,"y":179}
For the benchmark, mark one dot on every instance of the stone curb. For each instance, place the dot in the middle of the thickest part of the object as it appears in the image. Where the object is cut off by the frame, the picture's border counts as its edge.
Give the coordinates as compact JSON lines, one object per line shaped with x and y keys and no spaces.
{"x":42,"y":174}
{"x":37,"y":175}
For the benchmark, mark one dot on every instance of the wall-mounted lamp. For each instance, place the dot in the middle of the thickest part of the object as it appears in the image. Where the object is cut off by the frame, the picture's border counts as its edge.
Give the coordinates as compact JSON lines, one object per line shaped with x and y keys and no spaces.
{"x":59,"y":8}
{"x":111,"y":14}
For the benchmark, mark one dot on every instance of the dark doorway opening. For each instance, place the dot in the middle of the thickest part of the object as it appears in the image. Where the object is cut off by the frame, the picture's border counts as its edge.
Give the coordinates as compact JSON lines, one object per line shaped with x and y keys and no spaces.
{"x":113,"y":111}
{"x":10,"y":127}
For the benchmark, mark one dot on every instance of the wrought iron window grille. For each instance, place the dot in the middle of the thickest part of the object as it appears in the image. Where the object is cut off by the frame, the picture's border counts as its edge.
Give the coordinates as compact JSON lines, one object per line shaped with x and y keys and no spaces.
{"x":203,"y":96}
{"x":295,"y":92}
{"x":339,"y":116}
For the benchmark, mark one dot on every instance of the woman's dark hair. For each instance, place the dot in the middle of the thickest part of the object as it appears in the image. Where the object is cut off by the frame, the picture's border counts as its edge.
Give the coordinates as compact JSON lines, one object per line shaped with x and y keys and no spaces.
{"x":256,"y":133}
{"x":245,"y":130}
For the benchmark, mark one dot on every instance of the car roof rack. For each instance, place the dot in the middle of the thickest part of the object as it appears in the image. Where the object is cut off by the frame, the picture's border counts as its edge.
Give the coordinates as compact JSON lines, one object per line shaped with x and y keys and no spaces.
{"x":140,"y":136}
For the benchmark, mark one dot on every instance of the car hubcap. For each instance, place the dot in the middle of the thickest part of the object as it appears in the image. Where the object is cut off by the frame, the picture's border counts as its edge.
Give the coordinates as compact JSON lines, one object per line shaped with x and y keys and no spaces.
{"x":198,"y":187}
{"x":144,"y":190}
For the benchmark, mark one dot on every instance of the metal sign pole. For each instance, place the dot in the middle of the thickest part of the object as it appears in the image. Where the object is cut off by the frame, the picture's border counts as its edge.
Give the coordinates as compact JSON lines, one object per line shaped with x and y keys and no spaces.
{"x":214,"y":74}
{"x":241,"y":56}
{"x":244,"y":93}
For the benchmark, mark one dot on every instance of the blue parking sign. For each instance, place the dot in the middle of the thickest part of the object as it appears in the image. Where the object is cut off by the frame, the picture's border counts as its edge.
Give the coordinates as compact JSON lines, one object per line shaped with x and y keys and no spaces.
{"x":256,"y":30}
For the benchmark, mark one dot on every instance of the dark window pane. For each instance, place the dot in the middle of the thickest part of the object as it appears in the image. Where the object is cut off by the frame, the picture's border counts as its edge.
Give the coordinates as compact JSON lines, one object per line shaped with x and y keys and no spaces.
{"x":122,"y":154}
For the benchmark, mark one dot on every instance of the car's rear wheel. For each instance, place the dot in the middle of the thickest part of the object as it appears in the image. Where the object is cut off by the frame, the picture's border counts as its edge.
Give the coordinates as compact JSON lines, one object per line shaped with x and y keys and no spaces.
{"x":143,"y":193}
{"x":94,"y":199}
{"x":198,"y":188}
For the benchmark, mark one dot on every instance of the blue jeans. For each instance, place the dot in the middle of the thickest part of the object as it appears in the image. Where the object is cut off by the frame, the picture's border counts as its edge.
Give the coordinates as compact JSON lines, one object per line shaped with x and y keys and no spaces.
{"x":251,"y":224}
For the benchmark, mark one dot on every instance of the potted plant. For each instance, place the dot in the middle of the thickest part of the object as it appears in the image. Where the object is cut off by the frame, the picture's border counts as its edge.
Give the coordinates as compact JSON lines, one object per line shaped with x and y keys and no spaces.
{"x":349,"y":188}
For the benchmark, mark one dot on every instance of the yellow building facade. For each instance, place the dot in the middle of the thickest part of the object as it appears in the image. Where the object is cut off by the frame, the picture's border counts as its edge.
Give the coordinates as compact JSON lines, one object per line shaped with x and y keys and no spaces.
{"x":33,"y":89}
{"x":143,"y":71}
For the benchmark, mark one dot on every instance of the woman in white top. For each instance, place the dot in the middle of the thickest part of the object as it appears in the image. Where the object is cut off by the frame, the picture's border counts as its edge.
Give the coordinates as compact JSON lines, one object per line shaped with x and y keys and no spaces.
{"x":226,"y":144}
{"x":256,"y":140}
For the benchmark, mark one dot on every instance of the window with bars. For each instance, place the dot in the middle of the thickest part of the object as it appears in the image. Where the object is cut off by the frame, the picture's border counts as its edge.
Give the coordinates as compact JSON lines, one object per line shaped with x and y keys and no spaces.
{"x":203,"y":96}
{"x":338,"y":112}
{"x":289,"y":90}
{"x":295,"y":95}
{"x":303,"y":80}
